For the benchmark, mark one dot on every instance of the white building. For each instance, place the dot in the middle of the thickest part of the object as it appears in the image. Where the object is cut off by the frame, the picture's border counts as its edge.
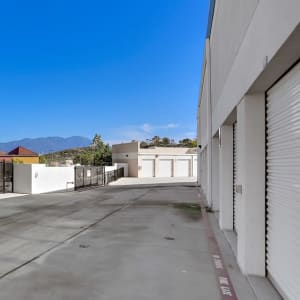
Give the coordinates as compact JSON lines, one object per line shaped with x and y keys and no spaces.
{"x":249,"y":134}
{"x":156,"y":161}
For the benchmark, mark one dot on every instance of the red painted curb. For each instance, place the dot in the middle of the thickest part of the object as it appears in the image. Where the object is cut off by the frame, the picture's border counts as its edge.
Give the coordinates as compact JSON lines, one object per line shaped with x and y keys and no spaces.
{"x":225,"y":285}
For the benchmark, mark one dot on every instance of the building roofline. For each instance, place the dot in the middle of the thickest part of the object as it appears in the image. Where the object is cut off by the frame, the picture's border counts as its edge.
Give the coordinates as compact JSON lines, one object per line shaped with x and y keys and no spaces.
{"x":210,"y":17}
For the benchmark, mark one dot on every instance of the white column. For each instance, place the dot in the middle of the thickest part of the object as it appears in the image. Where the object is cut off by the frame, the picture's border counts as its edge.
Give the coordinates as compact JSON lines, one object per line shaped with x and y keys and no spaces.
{"x":156,"y":166}
{"x":215,"y":173}
{"x":174,"y":167}
{"x":251,"y":145}
{"x":226,"y":177}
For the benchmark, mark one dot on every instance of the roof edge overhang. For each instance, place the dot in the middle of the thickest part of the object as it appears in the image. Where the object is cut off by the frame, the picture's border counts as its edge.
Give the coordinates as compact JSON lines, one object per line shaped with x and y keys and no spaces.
{"x":210,"y":18}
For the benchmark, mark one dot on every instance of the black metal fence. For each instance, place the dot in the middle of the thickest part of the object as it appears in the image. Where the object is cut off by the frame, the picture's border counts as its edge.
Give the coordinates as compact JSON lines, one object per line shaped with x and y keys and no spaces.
{"x":88,"y":176}
{"x":6,"y":177}
{"x":114,"y":175}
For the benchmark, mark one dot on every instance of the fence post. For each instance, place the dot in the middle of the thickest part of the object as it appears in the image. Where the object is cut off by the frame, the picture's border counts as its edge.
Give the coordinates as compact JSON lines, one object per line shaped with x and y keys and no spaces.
{"x":103,"y":175}
{"x":83,"y":177}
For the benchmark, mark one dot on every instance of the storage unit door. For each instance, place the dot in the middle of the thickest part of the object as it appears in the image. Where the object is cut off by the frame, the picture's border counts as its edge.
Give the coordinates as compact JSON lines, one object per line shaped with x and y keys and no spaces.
{"x":183,"y":168}
{"x":235,"y":211}
{"x":148,"y":168}
{"x":283,"y":184}
{"x":165,"y":168}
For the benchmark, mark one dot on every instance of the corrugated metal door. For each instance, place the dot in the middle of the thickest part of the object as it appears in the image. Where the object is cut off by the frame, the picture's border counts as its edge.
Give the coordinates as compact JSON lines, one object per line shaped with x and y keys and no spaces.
{"x":235,"y":213}
{"x":283,"y":184}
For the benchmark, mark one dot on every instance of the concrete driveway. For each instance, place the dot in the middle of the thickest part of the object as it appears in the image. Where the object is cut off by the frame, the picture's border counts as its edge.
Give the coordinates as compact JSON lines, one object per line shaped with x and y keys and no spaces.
{"x":128,"y":243}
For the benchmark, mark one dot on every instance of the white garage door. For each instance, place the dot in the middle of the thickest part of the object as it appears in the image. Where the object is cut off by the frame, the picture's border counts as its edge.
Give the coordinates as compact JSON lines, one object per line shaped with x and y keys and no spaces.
{"x":148,"y":168}
{"x":283,"y":184}
{"x":165,"y":168}
{"x":182,"y":167}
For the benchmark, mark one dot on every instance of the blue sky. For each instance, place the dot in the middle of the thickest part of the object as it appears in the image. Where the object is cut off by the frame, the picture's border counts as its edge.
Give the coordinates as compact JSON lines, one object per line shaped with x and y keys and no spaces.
{"x":125,"y":69}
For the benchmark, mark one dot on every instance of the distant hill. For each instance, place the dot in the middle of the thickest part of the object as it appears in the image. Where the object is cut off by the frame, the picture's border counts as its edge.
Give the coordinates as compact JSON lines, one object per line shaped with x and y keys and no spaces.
{"x":44,"y":145}
{"x":62,"y":156}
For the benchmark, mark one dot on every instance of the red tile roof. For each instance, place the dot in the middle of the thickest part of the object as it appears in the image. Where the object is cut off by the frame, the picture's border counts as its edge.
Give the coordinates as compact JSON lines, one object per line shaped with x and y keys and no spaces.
{"x":22,"y":152}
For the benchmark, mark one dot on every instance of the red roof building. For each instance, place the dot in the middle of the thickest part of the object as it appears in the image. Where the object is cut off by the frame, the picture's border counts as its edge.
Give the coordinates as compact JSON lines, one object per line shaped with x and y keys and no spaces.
{"x":20,"y":155}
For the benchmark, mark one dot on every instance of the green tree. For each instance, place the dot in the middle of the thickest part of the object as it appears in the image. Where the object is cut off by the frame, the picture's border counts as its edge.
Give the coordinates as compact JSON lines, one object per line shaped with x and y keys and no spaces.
{"x":191,"y":143}
{"x":165,"y":141}
{"x":144,"y":144}
{"x":42,"y":159}
{"x":101,"y":153}
{"x":156,"y":140}
{"x":86,"y":158}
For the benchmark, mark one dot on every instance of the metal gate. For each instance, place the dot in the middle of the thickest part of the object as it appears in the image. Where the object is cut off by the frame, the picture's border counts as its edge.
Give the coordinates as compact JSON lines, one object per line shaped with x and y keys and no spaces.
{"x":89,"y":176}
{"x":6,"y":177}
{"x":114,"y":175}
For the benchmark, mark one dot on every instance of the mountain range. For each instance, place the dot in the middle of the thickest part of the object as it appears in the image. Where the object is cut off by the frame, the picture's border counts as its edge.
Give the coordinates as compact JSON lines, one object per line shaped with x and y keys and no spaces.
{"x":44,"y":145}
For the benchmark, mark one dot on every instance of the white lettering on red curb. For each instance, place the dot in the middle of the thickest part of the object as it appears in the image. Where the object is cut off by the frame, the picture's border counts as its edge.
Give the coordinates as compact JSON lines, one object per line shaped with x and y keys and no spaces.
{"x":223,"y":280}
{"x":218,"y":262}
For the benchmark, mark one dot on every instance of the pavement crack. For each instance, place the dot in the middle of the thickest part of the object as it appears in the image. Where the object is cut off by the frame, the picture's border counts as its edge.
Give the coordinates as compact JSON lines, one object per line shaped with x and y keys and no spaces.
{"x":71,"y":237}
{"x":58,"y":244}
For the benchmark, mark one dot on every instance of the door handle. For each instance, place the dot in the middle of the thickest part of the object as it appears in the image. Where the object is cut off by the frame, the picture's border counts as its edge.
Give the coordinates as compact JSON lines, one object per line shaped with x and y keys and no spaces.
{"x":238,"y":188}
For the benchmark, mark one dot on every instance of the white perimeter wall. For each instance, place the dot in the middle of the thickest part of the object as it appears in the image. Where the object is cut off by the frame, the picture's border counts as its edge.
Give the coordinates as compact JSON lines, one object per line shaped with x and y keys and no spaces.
{"x":37,"y":178}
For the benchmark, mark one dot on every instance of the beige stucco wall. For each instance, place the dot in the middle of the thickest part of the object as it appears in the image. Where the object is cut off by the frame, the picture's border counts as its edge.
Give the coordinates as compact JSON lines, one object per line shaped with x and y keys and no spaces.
{"x":127,"y":153}
{"x":126,"y":147}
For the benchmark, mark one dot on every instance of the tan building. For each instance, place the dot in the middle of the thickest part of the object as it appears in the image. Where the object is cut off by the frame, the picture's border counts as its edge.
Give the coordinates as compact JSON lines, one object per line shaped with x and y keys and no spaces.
{"x":156,"y":161}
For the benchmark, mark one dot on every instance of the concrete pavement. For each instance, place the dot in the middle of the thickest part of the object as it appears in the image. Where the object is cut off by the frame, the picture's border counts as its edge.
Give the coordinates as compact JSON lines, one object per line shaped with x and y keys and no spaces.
{"x":146,"y":242}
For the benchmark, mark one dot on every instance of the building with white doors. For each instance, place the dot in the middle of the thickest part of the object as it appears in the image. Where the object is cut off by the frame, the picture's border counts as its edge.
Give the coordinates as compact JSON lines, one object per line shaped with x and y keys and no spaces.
{"x":156,"y":161}
{"x":249,"y":134}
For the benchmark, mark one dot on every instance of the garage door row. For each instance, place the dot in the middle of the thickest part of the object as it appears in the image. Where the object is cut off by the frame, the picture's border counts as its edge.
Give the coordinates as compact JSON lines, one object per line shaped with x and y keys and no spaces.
{"x":167,"y":168}
{"x":282,"y":184}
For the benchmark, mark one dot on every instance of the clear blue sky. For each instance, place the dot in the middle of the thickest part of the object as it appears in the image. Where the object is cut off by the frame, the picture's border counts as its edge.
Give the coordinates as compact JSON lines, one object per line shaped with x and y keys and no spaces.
{"x":125,"y":69}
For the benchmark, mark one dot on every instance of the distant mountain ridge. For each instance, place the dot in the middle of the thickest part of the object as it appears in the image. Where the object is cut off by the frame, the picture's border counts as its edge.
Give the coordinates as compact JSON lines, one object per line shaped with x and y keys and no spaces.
{"x":45,"y":145}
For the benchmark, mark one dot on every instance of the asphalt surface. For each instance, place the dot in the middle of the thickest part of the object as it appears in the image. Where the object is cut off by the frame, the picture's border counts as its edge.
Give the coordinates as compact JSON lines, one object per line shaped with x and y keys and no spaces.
{"x":129,"y":243}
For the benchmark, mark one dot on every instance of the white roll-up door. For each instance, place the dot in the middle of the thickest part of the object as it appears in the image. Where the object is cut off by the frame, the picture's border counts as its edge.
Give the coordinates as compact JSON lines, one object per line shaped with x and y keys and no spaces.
{"x":165,"y":168}
{"x":283,"y":184}
{"x":235,"y":213}
{"x":183,"y":167}
{"x":148,"y":167}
